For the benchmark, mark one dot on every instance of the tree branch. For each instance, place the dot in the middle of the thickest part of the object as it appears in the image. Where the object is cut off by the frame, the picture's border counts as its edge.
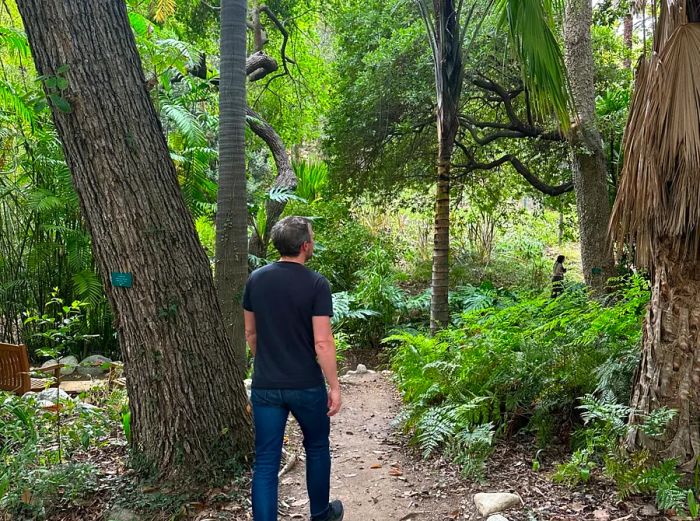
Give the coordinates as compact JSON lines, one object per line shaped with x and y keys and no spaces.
{"x":473,"y":165}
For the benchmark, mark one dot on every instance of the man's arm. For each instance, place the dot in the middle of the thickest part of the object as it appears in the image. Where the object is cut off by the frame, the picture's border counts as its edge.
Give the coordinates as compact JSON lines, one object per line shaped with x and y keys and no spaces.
{"x":325,"y":352}
{"x":251,"y":335}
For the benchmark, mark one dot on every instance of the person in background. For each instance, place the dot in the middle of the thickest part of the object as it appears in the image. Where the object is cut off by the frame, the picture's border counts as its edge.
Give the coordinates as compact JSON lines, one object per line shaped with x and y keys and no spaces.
{"x":558,"y":276}
{"x":288,"y":310}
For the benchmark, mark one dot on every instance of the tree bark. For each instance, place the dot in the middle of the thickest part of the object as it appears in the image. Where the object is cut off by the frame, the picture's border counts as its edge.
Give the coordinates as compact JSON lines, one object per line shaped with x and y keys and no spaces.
{"x":231,"y":269}
{"x":449,"y":71}
{"x":588,"y":158}
{"x":286,"y":178}
{"x":669,"y":373}
{"x":627,"y":33}
{"x":187,"y":401}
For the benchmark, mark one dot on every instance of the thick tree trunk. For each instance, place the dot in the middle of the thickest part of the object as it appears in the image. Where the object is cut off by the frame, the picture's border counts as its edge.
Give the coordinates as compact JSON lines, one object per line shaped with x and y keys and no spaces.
{"x":286,"y":178}
{"x":588,"y":158}
{"x":669,"y":373}
{"x":231,"y":268}
{"x":187,"y":401}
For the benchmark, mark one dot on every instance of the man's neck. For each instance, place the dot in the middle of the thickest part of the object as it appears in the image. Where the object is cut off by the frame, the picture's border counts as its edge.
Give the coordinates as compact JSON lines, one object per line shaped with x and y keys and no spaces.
{"x":299,"y":259}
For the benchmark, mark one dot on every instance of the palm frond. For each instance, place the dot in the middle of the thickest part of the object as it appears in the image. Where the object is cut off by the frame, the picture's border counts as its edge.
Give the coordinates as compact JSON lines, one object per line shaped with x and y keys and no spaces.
{"x":659,"y":194}
{"x":14,"y":41}
{"x":530,"y":24}
{"x":13,"y":102}
{"x":184,"y":121}
{"x":88,"y":286}
{"x":162,"y":10}
{"x":312,"y":178}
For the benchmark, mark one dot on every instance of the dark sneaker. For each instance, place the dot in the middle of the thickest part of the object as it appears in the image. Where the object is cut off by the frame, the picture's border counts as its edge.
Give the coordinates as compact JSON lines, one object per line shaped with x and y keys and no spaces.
{"x":335,"y":512}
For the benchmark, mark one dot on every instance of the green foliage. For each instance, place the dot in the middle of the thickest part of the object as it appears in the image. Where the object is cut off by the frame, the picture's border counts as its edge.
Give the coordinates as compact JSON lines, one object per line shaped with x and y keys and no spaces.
{"x":61,"y":331}
{"x":43,"y":459}
{"x":605,"y":425}
{"x":312,"y":179}
{"x":530,"y":358}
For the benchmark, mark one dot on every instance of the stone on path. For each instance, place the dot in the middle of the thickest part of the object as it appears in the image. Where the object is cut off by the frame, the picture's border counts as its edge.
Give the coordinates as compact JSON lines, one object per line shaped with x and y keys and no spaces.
{"x":497,"y":517}
{"x":361,"y":369}
{"x":490,"y":503}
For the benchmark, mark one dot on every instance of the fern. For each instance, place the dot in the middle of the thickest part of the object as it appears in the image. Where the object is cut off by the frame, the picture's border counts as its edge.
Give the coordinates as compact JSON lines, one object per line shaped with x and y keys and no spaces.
{"x":184,"y":121}
{"x":14,"y":41}
{"x":434,"y":429}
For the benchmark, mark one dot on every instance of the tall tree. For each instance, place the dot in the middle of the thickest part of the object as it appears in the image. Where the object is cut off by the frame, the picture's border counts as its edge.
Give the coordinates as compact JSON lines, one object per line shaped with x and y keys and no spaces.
{"x":231,"y":269}
{"x":187,"y":402}
{"x":588,"y":161}
{"x":656,"y":213}
{"x":444,"y":33}
{"x":451,"y":31}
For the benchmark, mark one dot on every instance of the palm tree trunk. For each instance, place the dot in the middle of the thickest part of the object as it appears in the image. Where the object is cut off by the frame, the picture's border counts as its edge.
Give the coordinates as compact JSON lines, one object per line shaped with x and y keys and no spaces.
{"x":231,"y":265}
{"x":439,"y":305}
{"x":669,"y":373}
{"x":588,"y":158}
{"x":186,"y":395}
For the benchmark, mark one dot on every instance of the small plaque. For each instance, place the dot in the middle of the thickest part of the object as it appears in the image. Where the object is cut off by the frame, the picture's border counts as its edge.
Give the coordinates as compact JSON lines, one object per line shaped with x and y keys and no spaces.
{"x":122,"y":280}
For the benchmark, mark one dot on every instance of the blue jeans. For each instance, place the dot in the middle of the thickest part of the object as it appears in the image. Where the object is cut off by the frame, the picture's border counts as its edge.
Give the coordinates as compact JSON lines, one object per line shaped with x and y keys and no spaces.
{"x":270,"y":410}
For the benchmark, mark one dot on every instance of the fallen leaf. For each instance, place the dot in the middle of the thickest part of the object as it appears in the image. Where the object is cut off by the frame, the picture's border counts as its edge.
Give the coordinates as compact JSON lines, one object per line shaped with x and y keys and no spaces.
{"x":300,"y":502}
{"x":376,"y":466}
{"x":601,"y":515}
{"x":393,"y":471}
{"x":26,"y":496}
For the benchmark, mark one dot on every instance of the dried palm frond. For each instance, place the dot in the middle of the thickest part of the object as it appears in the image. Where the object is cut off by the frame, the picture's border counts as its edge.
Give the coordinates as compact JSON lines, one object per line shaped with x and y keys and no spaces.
{"x":672,"y":16}
{"x":162,"y":10}
{"x":659,"y":193}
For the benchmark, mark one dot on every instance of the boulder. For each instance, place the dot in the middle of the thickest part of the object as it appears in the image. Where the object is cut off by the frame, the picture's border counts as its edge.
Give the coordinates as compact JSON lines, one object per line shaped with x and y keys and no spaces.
{"x":493,"y":502}
{"x":94,"y":365}
{"x":70,"y":364}
{"x":53,"y":394}
{"x":361,"y":369}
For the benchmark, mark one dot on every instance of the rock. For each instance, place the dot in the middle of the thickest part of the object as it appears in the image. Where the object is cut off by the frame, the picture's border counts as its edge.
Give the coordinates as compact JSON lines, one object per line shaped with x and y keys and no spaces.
{"x":52,"y":394}
{"x":386,"y":372}
{"x":93,"y":365}
{"x":497,"y":517}
{"x":70,"y":365}
{"x":88,"y":407}
{"x":490,"y":503}
{"x":29,"y":395}
{"x":361,"y":369}
{"x":248,"y":383}
{"x":349,"y":373}
{"x":648,"y":511}
{"x":121,"y":514}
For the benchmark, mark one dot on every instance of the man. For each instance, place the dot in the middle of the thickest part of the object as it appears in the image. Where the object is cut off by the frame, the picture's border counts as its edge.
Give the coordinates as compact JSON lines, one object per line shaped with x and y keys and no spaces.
{"x":288,"y":310}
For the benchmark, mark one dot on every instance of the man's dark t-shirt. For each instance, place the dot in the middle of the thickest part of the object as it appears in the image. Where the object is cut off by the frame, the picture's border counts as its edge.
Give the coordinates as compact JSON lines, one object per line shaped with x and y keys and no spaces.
{"x":284,"y":297}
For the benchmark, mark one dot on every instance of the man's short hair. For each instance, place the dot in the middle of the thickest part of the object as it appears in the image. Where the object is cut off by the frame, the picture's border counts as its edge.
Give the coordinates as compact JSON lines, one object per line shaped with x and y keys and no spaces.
{"x":289,"y":234}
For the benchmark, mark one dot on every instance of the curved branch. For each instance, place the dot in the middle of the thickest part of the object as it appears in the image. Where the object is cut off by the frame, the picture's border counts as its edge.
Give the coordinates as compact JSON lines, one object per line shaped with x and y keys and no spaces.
{"x":286,"y":178}
{"x":473,"y":165}
{"x":258,"y":65}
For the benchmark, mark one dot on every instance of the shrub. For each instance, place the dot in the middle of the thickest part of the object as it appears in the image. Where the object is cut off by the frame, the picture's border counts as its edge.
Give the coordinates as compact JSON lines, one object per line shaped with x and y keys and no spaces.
{"x":526,"y":362}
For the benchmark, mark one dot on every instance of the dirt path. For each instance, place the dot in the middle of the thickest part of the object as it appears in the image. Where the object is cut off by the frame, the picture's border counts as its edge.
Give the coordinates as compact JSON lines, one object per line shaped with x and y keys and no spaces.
{"x":371,"y":473}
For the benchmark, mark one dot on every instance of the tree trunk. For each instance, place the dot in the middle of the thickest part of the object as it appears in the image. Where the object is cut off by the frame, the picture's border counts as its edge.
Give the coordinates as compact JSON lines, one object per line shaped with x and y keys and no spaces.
{"x":588,"y":158}
{"x":187,"y":401}
{"x":286,"y":178}
{"x":449,"y":72}
{"x":232,"y":210}
{"x":439,"y":304}
{"x":669,"y":373}
{"x":628,"y":31}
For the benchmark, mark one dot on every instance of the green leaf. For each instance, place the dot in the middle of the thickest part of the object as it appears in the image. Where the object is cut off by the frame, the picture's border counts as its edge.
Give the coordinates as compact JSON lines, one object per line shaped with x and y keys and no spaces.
{"x":60,"y":103}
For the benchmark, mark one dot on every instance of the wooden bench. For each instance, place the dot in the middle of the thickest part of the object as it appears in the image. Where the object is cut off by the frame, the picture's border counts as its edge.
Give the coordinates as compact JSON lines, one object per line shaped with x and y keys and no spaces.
{"x":15,"y":375}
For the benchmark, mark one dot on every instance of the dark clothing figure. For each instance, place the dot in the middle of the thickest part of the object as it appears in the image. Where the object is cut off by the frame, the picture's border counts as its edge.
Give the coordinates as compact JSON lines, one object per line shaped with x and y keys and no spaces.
{"x":284,"y":297}
{"x":287,"y":312}
{"x":558,"y":277}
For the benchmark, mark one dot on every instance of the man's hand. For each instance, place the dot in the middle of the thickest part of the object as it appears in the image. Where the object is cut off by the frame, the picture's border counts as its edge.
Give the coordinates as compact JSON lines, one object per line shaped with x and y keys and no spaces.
{"x":333,"y":401}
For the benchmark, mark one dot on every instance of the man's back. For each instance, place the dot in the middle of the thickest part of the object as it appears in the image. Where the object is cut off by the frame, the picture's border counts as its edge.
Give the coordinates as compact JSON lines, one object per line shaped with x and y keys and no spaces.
{"x":284,"y":297}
